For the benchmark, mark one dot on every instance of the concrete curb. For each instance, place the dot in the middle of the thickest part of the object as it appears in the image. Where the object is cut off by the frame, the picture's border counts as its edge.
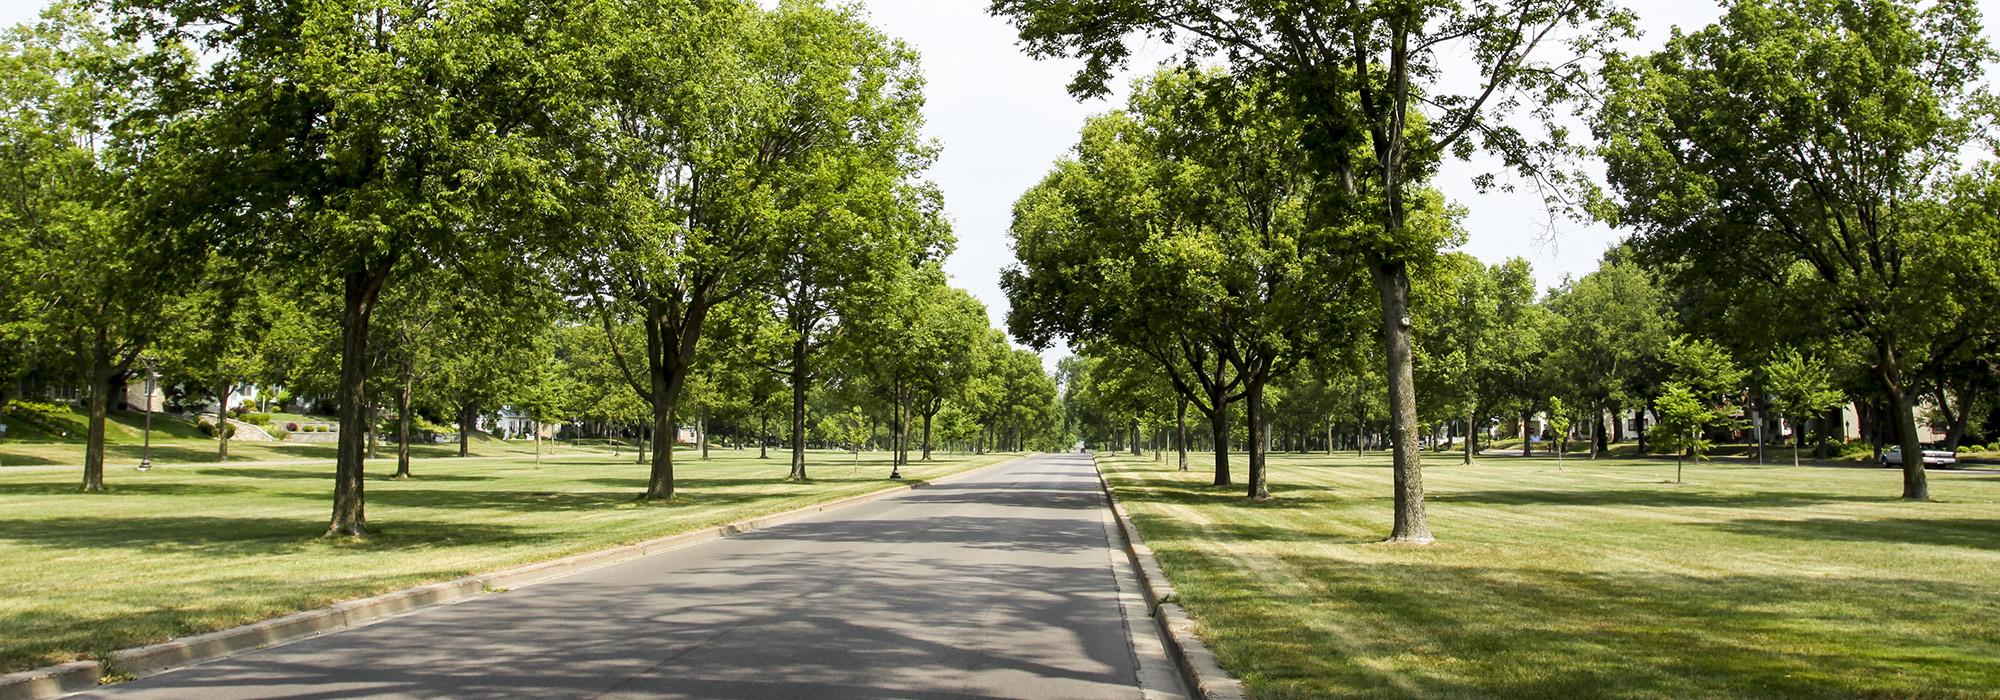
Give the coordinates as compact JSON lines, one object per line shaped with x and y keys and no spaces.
{"x":50,"y":681}
{"x":139,"y":662}
{"x":1199,"y":669}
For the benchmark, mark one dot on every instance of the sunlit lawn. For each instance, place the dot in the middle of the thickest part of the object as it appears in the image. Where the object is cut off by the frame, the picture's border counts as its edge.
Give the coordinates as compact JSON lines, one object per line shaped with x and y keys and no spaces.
{"x":1598,"y":580}
{"x":177,"y":441}
{"x":184,"y":550}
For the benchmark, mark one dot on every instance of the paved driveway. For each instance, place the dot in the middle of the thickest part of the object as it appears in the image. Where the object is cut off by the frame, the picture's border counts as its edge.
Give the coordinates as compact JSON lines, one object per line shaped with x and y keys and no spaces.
{"x":1001,"y":583}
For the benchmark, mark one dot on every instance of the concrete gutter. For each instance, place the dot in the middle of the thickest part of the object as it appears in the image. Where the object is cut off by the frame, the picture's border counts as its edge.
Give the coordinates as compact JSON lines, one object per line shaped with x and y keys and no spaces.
{"x":1199,"y":669}
{"x":139,"y":662}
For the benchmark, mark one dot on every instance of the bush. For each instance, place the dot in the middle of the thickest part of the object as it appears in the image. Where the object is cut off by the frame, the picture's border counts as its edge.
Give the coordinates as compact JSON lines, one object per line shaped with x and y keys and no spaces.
{"x":208,"y":429}
{"x":257,"y":419}
{"x":37,"y":412}
{"x":279,"y":433}
{"x":293,"y":427}
{"x":240,"y":410}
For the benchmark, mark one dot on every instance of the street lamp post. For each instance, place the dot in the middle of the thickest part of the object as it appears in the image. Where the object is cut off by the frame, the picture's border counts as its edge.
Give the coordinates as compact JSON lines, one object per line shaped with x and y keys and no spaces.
{"x":152,"y":380}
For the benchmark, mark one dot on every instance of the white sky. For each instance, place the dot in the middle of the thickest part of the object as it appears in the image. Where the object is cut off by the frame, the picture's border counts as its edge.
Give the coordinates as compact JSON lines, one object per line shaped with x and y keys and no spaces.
{"x":1004,"y":118}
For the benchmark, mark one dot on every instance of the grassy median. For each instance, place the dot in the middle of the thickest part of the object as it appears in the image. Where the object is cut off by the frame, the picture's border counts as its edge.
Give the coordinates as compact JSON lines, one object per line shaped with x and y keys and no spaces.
{"x":1592,"y":580}
{"x":191,"y":549}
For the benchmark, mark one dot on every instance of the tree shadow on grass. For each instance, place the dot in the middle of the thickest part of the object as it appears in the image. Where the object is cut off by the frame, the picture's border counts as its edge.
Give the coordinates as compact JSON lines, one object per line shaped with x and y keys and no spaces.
{"x":1944,"y":532}
{"x":1661,"y":498}
{"x":1230,"y":496}
{"x":115,"y":488}
{"x":229,"y":537}
{"x":325,"y":473}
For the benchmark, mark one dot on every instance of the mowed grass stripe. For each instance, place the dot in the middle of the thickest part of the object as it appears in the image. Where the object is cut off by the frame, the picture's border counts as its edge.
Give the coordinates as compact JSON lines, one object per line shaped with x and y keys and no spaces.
{"x":1596,"y":579}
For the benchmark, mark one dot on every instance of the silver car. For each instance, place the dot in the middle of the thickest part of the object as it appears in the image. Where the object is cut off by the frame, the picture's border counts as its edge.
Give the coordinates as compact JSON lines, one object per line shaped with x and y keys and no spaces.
{"x":1932,"y":458}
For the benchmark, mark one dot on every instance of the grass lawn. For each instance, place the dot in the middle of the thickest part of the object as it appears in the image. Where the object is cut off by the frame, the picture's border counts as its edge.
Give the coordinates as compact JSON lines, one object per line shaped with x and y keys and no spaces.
{"x":178,"y":441}
{"x":191,"y":549}
{"x":1600,"y":580}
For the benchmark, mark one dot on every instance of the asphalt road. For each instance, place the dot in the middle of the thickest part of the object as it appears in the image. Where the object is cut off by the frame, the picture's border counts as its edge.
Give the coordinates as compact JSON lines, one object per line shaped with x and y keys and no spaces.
{"x":1002,"y":583}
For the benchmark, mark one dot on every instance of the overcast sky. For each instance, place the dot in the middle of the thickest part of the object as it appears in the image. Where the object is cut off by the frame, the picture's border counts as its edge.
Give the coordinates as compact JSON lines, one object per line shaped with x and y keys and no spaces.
{"x":1004,"y":118}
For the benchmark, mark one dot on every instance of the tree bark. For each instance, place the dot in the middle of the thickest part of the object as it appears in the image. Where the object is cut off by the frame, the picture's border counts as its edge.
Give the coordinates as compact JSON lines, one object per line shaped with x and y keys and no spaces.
{"x":1471,"y":439}
{"x":1393,"y":282}
{"x":221,"y":422}
{"x":1527,"y":449}
{"x":1180,"y":429}
{"x":701,"y":431}
{"x":403,"y":426}
{"x":1218,"y":425}
{"x":360,"y":290}
{"x":1253,"y":395}
{"x":102,"y":379}
{"x":927,"y":432}
{"x":466,"y":414}
{"x":763,"y":435}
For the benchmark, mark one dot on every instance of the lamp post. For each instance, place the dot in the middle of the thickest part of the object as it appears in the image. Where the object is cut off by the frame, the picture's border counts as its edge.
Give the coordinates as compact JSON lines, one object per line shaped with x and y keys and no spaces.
{"x":152,"y":380}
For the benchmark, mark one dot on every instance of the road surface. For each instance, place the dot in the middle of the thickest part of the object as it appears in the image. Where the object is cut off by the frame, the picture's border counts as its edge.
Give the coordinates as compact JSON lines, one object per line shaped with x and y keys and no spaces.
{"x":1002,"y":583}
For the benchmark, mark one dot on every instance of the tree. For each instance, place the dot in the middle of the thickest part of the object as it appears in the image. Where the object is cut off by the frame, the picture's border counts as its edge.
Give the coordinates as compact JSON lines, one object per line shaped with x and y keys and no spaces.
{"x":1792,"y":145}
{"x":849,"y":430}
{"x":97,"y":250}
{"x":1608,"y":328}
{"x":700,"y":155}
{"x":1559,"y":423}
{"x":217,"y":341}
{"x":1181,"y":230}
{"x":371,"y":134}
{"x":1799,"y":387}
{"x":1684,"y":418}
{"x":1360,"y":76}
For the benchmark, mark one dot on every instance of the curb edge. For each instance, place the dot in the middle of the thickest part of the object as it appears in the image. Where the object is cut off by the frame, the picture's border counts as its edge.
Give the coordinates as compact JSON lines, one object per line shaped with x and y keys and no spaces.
{"x":1199,"y":668}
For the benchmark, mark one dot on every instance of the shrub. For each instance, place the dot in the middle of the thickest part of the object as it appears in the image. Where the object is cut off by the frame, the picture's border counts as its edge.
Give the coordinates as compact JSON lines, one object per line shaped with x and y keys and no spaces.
{"x":293,"y":427}
{"x":256,"y":419}
{"x":39,"y":413}
{"x":279,"y":433}
{"x":208,"y":429}
{"x":240,"y":409}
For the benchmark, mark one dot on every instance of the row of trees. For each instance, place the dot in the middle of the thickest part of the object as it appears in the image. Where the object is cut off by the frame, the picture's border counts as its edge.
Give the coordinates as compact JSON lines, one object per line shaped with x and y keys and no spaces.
{"x":1793,"y":176}
{"x":580,"y":210}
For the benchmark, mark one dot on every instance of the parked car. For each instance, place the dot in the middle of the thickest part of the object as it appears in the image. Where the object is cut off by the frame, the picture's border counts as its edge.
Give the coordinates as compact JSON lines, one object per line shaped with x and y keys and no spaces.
{"x":1932,"y":458}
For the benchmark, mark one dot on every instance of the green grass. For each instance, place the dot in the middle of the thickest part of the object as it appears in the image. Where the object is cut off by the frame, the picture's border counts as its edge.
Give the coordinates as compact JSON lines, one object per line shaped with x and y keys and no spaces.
{"x":178,"y":441}
{"x":1600,"y":580}
{"x":185,"y":550}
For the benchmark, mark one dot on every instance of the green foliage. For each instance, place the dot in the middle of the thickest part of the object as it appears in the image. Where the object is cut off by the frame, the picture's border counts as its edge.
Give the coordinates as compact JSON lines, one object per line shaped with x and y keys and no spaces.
{"x":1799,"y":387}
{"x":1684,"y":420}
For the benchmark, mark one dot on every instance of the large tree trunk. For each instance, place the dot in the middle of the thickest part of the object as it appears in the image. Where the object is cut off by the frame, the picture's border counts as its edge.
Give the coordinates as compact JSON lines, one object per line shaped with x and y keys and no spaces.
{"x":221,"y":421}
{"x":1393,"y":282}
{"x":1218,"y":426}
{"x":927,"y":432}
{"x":1915,"y":485}
{"x":1639,"y":427}
{"x":763,"y":435}
{"x":360,"y":291}
{"x":1254,"y":409}
{"x":1471,"y":439}
{"x":403,"y":426}
{"x":103,"y":382}
{"x":1180,"y":429}
{"x":466,"y":415}
{"x":701,"y":432}
{"x":670,"y":351}
{"x":1134,"y":430}
{"x":660,"y":484}
{"x":799,"y":389}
